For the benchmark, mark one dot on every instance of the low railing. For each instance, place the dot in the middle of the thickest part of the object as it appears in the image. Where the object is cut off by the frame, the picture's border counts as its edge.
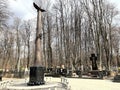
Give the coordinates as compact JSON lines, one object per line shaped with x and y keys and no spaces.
{"x":4,"y":84}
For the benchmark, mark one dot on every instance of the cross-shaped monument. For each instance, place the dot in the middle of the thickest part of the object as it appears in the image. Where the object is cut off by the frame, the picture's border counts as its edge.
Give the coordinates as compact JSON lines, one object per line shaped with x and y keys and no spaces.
{"x":93,"y":58}
{"x":37,"y":71}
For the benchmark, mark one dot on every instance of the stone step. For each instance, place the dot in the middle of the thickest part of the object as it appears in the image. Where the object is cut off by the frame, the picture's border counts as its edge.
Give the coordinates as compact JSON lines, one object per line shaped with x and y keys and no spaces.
{"x":52,"y":86}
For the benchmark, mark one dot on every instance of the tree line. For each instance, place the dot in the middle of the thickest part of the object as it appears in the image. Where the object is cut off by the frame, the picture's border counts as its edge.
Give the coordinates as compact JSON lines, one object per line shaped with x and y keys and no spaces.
{"x":72,"y":30}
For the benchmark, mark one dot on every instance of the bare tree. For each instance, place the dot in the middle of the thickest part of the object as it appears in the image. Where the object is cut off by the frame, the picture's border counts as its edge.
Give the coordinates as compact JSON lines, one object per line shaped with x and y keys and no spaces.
{"x":4,"y":14}
{"x":28,"y":30}
{"x":18,"y":42}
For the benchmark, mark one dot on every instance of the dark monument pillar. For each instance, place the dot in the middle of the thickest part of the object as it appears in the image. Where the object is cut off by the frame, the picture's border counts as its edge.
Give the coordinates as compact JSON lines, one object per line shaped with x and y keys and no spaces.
{"x":93,"y":58}
{"x":37,"y":71}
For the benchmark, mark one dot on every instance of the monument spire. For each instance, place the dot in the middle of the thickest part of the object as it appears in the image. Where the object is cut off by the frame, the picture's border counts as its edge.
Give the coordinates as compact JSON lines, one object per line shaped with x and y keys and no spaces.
{"x":37,"y":60}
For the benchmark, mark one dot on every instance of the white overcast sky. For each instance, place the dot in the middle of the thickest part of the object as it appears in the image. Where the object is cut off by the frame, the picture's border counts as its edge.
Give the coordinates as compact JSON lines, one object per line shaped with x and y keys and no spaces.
{"x":24,"y":8}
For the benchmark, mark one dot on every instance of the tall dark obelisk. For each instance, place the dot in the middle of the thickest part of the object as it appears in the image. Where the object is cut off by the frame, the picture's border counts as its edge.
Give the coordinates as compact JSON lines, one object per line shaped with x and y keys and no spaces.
{"x":37,"y":60}
{"x":37,"y":71}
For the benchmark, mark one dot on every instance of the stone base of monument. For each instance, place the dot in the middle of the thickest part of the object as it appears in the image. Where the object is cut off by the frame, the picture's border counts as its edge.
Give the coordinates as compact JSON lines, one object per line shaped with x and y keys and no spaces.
{"x":116,"y":78}
{"x":99,"y":74}
{"x":96,"y":74}
{"x":36,"y":76}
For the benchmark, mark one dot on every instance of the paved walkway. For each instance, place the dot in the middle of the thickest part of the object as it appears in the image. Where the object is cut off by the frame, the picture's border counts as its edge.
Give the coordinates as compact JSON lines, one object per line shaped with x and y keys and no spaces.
{"x":93,"y":84}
